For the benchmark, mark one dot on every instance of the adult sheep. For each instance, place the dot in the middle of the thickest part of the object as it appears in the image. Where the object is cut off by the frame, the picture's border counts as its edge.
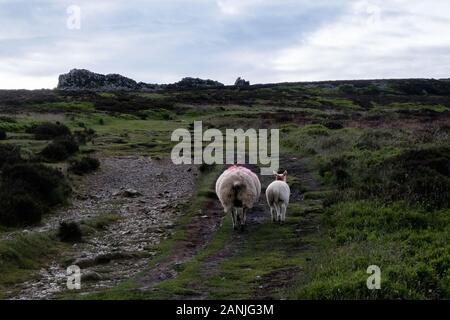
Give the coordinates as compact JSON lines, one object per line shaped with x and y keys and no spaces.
{"x":238,"y":189}
{"x":277,"y":194}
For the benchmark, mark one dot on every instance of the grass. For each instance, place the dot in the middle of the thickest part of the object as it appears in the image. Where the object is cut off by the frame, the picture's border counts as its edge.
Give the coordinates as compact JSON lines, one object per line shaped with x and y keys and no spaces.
{"x":99,"y":222}
{"x":267,"y":249}
{"x":340,"y":103}
{"x":409,"y":245}
{"x":21,"y":256}
{"x":64,"y":106}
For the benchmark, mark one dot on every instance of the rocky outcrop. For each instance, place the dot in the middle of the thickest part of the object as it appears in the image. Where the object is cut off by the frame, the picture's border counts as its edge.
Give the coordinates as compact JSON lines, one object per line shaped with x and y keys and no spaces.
{"x":240,"y":83}
{"x":193,"y":83}
{"x":81,"y":79}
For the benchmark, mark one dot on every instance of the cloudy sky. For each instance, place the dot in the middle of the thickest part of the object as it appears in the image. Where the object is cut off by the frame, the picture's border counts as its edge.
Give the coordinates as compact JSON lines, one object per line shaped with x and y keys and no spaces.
{"x":261,"y":40}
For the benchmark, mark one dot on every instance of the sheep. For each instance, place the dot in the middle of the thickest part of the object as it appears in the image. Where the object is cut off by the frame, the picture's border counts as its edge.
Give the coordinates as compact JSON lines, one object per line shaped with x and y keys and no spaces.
{"x":277,"y":194}
{"x":238,"y":189}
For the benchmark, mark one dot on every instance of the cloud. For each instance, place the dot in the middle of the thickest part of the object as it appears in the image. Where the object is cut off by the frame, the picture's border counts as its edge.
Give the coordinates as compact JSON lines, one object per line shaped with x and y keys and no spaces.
{"x":261,"y":40}
{"x":374,"y":39}
{"x":238,"y":7}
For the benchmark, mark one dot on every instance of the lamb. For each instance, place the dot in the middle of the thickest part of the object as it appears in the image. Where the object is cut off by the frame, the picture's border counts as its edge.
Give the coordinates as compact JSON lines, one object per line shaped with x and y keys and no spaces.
{"x":277,"y":194}
{"x":238,"y":189}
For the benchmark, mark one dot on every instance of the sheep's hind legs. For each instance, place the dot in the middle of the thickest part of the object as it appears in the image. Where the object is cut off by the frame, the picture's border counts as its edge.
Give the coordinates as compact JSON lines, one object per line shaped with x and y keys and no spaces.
{"x":233,"y":218}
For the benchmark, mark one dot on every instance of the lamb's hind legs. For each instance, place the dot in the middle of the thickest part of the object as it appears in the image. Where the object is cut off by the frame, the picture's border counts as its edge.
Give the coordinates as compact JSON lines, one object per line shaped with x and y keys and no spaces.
{"x":272,"y":215}
{"x":283,"y":213}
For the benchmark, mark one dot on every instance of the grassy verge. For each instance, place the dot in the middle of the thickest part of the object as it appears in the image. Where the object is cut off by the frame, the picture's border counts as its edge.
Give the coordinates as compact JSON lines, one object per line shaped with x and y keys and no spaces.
{"x":411,"y":247}
{"x":22,"y":256}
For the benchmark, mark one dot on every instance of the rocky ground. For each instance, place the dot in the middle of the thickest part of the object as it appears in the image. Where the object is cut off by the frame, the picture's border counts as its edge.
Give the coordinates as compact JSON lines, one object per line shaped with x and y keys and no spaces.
{"x":143,"y":195}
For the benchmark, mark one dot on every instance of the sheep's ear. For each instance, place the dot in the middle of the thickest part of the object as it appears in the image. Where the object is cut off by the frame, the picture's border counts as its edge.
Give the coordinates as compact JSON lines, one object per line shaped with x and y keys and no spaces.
{"x":275,"y":173}
{"x":285,"y":173}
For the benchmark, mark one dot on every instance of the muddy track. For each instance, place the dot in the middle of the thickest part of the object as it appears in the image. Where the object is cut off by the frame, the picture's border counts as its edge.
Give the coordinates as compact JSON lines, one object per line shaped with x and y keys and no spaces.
{"x":203,"y":227}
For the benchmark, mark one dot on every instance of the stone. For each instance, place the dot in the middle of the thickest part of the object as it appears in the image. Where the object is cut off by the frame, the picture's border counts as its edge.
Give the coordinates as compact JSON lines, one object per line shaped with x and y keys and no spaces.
{"x":82,"y":79}
{"x":241,"y":83}
{"x":193,"y":83}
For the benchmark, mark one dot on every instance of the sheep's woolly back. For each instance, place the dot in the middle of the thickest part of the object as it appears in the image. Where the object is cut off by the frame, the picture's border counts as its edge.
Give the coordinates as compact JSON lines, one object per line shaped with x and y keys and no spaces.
{"x":238,"y":184}
{"x":278,"y":191}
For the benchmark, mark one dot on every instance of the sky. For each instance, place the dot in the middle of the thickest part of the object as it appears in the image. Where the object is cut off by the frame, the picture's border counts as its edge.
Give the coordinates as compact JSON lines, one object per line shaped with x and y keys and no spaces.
{"x":263,"y":41}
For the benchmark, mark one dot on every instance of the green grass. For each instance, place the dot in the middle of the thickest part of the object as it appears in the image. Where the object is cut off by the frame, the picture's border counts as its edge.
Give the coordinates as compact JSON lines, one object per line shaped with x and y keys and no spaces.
{"x":340,"y":103}
{"x":417,"y":106}
{"x":411,"y":246}
{"x":18,"y":125}
{"x":23,"y":255}
{"x":65,"y":106}
{"x":267,"y":249}
{"x":100,"y":222}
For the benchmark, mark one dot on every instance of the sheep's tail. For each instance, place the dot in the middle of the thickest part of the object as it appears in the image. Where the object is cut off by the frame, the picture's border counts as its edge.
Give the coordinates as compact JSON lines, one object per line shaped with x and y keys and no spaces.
{"x":236,"y":189}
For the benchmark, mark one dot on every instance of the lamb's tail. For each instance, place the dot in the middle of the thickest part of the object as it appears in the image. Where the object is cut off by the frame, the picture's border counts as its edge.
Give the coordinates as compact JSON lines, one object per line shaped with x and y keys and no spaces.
{"x":236,"y":189}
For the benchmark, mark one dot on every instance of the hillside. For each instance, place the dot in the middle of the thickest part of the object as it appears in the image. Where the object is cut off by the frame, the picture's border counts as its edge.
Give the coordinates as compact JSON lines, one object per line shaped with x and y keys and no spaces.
{"x":368,"y":167}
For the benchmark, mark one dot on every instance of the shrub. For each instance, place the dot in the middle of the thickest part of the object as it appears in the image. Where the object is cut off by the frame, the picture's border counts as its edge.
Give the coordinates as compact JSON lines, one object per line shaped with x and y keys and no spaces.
{"x":9,"y":154}
{"x":69,"y":143}
{"x":419,"y":176}
{"x":47,"y":131}
{"x":2,"y":134}
{"x":85,"y":135}
{"x":46,"y":184}
{"x":373,"y":140}
{"x":336,"y":171}
{"x":19,"y":209}
{"x":55,"y":152}
{"x":84,"y":165}
{"x":333,"y":125}
{"x":69,"y":232}
{"x":60,"y":149}
{"x":7,"y":119}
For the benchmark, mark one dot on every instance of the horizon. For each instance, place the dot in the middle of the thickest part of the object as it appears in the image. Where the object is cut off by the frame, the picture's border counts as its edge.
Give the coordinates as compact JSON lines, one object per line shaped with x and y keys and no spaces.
{"x":254,"y":84}
{"x":262,"y":41}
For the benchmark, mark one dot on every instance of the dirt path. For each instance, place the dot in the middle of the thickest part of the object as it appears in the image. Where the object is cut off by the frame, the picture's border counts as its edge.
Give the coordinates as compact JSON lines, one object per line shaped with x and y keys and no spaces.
{"x":120,"y":250}
{"x":200,"y":233}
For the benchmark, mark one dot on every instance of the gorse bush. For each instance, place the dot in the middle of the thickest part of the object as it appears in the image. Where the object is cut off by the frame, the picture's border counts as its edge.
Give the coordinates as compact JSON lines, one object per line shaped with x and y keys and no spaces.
{"x":9,"y":154}
{"x":84,"y":165}
{"x":46,"y":184}
{"x":47,"y":131}
{"x":60,"y":149}
{"x":420,"y":177}
{"x":19,"y":209}
{"x":333,"y":125}
{"x":27,"y":190}
{"x":69,"y":232}
{"x":83,"y":136}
